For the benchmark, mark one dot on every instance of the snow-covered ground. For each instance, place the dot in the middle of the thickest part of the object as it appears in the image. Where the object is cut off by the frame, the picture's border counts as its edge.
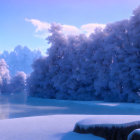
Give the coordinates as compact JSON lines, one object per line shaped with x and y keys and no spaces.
{"x":52,"y":127}
{"x":45,"y":119}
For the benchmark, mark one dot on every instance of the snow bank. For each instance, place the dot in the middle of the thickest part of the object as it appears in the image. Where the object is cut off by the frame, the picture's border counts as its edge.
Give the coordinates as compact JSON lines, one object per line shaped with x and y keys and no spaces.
{"x":134,"y":135}
{"x":53,"y":127}
{"x":109,"y":127}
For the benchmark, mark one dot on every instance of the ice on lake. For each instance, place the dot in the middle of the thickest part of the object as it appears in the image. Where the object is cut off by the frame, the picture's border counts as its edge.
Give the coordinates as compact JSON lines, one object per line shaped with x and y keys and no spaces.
{"x":19,"y":105}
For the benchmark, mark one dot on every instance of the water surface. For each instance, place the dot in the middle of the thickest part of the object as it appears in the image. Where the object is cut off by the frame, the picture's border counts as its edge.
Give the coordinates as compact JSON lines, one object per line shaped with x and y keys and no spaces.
{"x":19,"y":105}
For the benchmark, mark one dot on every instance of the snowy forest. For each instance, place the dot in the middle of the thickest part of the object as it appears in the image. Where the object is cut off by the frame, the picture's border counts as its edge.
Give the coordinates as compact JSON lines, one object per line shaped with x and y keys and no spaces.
{"x":104,"y":65}
{"x":15,"y":66}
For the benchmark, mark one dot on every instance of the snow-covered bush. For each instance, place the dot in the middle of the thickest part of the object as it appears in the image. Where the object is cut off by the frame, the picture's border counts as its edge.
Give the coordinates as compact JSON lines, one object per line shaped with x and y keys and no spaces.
{"x":104,"y":65}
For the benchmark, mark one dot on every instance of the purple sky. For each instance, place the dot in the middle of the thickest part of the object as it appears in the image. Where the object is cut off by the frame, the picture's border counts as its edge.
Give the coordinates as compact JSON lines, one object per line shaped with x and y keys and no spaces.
{"x":15,"y":30}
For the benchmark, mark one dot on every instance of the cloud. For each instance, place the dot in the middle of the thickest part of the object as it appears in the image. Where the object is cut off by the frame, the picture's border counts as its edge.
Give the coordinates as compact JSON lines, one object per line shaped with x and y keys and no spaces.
{"x":90,"y":28}
{"x":69,"y":29}
{"x":42,"y":28}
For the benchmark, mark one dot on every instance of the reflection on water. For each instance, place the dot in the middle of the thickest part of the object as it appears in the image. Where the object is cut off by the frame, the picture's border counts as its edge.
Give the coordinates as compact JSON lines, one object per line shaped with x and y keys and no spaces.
{"x":4,"y":111}
{"x":13,"y":106}
{"x":7,"y":103}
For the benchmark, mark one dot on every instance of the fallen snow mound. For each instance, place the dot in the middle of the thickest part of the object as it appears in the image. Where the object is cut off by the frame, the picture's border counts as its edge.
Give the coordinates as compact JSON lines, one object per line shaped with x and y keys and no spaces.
{"x":134,"y":135}
{"x":112,"y":127}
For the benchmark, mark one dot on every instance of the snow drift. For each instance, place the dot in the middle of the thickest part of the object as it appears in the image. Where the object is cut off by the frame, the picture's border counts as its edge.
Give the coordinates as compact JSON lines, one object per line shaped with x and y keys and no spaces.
{"x":109,"y":127}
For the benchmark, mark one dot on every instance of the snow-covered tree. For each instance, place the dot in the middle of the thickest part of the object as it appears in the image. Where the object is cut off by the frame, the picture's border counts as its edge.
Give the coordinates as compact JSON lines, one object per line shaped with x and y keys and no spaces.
{"x":20,"y":59}
{"x":18,"y":83}
{"x":4,"y":77}
{"x":104,"y":65}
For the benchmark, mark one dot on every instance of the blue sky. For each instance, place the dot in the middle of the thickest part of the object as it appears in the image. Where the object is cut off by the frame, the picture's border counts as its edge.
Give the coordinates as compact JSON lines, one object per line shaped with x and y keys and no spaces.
{"x":21,"y":21}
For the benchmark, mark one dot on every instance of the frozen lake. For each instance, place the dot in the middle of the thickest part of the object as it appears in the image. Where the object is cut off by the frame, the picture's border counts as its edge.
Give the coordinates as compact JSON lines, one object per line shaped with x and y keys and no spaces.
{"x":14,"y":106}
